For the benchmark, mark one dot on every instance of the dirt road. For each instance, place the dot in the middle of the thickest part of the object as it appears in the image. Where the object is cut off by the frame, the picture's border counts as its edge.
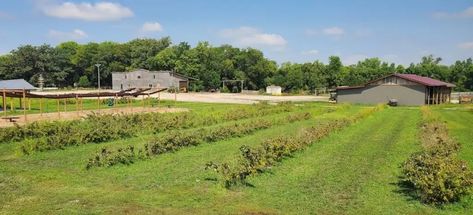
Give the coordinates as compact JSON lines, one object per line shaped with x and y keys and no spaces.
{"x":234,"y":98}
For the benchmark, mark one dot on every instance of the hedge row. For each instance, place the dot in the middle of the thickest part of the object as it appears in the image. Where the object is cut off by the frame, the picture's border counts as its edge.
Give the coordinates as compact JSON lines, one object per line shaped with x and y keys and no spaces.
{"x":103,"y":128}
{"x":137,"y":122}
{"x":175,"y":140}
{"x":436,"y":174}
{"x":256,"y":160}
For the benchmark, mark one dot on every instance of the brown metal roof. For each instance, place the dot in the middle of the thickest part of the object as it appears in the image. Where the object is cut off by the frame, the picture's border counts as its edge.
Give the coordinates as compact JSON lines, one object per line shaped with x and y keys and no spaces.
{"x":426,"y":81}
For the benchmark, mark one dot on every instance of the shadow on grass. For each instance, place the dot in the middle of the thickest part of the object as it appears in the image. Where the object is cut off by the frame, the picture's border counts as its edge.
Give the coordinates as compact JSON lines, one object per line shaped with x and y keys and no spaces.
{"x":406,"y":189}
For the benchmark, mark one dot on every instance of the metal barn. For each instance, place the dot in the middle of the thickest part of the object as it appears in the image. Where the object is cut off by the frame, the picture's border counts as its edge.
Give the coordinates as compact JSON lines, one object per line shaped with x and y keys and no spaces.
{"x":142,"y":78}
{"x":406,"y":89}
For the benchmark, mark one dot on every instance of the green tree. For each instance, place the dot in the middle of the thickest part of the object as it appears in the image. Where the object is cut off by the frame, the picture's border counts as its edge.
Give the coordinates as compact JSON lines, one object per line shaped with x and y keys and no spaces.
{"x":83,"y":81}
{"x":333,"y":70}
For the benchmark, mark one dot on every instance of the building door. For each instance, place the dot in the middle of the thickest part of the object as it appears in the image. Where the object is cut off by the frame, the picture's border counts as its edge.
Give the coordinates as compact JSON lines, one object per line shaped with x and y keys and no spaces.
{"x":183,"y":86}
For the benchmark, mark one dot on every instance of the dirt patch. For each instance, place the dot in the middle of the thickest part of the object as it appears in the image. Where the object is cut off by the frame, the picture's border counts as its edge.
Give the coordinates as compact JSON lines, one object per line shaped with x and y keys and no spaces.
{"x":70,"y":115}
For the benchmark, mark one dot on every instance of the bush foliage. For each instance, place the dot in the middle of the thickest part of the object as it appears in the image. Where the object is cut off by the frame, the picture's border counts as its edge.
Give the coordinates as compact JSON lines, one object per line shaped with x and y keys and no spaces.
{"x":40,"y":136}
{"x":256,"y":160}
{"x":175,"y":140}
{"x":436,"y":174}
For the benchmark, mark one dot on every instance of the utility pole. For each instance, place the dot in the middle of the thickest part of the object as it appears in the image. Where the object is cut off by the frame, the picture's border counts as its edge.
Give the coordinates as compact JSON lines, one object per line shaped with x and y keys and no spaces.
{"x":98,"y":85}
{"x":98,"y":74}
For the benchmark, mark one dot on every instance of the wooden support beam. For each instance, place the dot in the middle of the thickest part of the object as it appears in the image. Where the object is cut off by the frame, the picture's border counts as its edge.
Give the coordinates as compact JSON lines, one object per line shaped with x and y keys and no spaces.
{"x":4,"y":103}
{"x":24,"y":105}
{"x":41,"y":107}
{"x":57,"y":108}
{"x":65,"y":105}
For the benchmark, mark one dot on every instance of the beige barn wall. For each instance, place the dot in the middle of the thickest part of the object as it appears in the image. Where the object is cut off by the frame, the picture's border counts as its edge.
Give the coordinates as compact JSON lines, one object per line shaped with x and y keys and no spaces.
{"x":405,"y":94}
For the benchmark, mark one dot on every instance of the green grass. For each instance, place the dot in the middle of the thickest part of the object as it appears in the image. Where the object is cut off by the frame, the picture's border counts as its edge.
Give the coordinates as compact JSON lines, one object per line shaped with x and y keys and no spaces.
{"x":51,"y":105}
{"x":353,"y":171}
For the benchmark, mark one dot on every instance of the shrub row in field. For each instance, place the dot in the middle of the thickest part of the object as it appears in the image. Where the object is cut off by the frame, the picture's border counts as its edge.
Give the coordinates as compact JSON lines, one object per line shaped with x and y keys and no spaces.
{"x":255,"y":160}
{"x":137,"y":122}
{"x":103,"y":128}
{"x":178,"y":139}
{"x":436,"y":174}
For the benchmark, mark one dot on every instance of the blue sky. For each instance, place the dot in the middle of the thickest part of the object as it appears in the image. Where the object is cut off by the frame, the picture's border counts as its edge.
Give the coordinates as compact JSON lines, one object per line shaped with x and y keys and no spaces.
{"x":299,"y":31}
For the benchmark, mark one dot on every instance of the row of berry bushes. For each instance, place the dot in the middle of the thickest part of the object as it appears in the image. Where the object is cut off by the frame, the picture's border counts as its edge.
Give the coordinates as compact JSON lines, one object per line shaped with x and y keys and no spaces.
{"x":256,"y":160}
{"x":175,"y":140}
{"x":103,"y":128}
{"x":137,"y":122}
{"x":436,"y":174}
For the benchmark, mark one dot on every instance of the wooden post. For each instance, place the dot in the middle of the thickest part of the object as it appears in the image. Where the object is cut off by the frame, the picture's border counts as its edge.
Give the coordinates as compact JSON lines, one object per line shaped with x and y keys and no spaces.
{"x":77,"y":105}
{"x":65,"y":105}
{"x":29,"y":104}
{"x":98,"y":102}
{"x":149,"y":100}
{"x":4,"y":103}
{"x":41,"y":107}
{"x":159,"y":98}
{"x":143,"y":101}
{"x":24,"y":105}
{"x":57,"y":108}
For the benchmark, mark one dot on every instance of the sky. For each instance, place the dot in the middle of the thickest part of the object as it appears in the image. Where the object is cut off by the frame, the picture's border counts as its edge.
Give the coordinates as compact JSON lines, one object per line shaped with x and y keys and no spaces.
{"x":399,"y":31}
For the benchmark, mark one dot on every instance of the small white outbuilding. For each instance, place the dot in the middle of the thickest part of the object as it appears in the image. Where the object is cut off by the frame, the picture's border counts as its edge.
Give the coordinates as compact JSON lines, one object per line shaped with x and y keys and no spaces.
{"x":274,"y":90}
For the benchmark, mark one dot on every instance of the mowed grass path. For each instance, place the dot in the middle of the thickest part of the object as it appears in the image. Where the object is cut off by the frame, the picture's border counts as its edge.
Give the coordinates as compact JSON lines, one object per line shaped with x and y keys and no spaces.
{"x":353,"y":171}
{"x":56,"y":182}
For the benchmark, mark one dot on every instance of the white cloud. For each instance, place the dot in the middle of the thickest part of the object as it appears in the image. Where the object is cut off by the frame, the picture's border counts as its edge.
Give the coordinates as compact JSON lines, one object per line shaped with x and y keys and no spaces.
{"x":248,"y":36}
{"x":333,"y":31}
{"x":101,"y":11}
{"x":76,"y":34}
{"x":311,"y":52}
{"x":151,"y":27}
{"x":467,"y":45}
{"x":467,"y":13}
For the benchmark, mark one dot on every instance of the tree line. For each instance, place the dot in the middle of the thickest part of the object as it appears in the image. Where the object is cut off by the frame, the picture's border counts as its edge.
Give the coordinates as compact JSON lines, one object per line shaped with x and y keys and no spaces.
{"x":72,"y":64}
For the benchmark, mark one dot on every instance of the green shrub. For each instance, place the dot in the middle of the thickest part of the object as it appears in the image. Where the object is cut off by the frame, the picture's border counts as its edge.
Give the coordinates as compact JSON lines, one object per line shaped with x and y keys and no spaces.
{"x":175,"y":140}
{"x":102,"y":128}
{"x":255,"y":160}
{"x":435,"y":174}
{"x":437,"y":178}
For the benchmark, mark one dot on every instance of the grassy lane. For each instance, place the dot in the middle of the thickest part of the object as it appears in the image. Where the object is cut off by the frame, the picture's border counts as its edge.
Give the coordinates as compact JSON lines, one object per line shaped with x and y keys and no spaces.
{"x":459,"y":123}
{"x":56,"y":181}
{"x":351,"y":172}
{"x":460,"y":127}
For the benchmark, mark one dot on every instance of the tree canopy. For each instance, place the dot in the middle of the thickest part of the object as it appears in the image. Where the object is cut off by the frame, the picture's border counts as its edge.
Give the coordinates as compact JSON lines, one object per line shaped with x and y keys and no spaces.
{"x":70,"y":63}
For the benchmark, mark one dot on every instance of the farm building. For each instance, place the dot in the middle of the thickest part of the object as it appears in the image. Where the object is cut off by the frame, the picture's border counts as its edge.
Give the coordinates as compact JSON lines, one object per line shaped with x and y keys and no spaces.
{"x":16,"y":85}
{"x":142,"y":78}
{"x":406,"y":89}
{"x":273,"y":90}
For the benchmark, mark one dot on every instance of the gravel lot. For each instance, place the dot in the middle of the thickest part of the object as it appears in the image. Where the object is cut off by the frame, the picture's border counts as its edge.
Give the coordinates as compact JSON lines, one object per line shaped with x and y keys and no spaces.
{"x":234,"y":98}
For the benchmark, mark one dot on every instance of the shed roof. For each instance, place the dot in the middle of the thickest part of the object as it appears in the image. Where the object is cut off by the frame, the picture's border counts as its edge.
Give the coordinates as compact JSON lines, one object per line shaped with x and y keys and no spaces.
{"x":426,"y":81}
{"x":16,"y":84}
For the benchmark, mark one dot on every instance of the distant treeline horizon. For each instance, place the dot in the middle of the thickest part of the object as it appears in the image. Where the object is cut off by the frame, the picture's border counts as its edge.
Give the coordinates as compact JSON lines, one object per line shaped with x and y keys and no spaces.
{"x":71,"y":64}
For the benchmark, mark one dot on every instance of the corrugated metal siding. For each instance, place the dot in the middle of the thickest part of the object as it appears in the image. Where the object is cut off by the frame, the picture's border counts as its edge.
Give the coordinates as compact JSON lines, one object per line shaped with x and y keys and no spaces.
{"x":144,"y":79}
{"x":405,"y":94}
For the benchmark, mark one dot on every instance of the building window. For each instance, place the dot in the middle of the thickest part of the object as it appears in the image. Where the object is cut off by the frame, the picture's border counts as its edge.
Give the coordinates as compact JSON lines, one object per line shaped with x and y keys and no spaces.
{"x":125,"y":76}
{"x":139,"y":77}
{"x":150,"y":85}
{"x":154,"y":76}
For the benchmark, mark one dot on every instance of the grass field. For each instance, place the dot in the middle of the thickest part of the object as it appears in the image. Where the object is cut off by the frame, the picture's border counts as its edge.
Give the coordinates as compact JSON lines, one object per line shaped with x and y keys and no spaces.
{"x":352,"y":171}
